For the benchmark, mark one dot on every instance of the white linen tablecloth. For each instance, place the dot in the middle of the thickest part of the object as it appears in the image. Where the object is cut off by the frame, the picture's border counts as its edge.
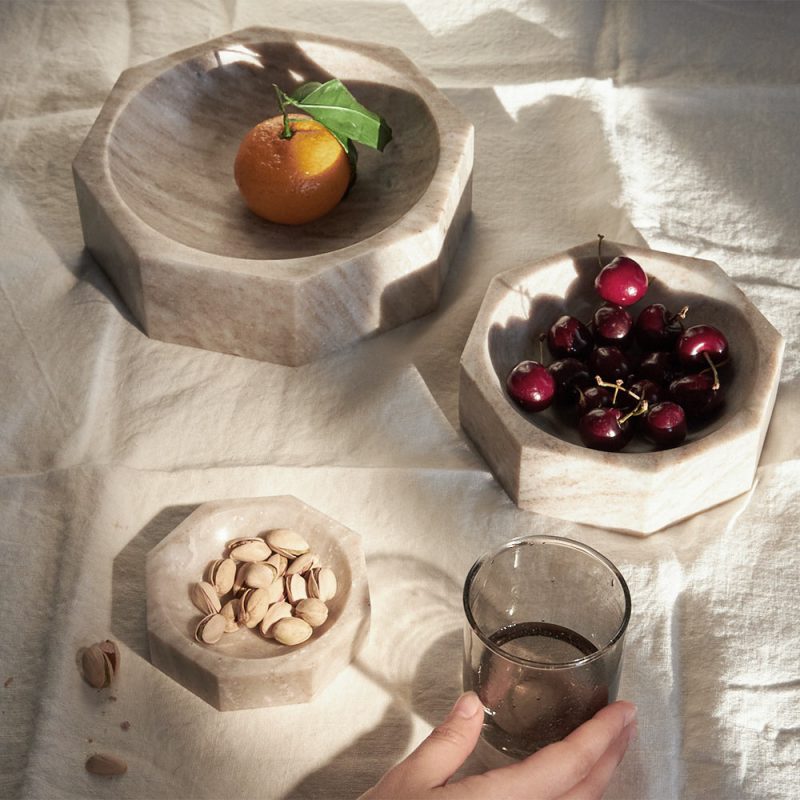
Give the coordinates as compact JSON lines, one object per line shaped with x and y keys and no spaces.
{"x":675,"y":125}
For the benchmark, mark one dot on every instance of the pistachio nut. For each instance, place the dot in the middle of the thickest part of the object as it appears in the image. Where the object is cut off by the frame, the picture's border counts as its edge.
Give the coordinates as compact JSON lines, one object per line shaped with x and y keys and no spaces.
{"x":96,"y":667}
{"x":205,"y":598}
{"x":276,"y":591}
{"x":287,"y":542}
{"x":241,"y":540}
{"x":313,"y":611}
{"x":295,"y":588}
{"x":238,"y":581}
{"x":322,"y":583}
{"x":254,"y":604}
{"x":291,"y":631}
{"x":231,"y":613}
{"x":210,"y":629}
{"x":276,"y":611}
{"x":111,"y":651}
{"x":302,"y":564}
{"x":259,"y":575}
{"x":312,"y":587}
{"x":280,"y":562}
{"x":251,"y":550}
{"x":221,"y":575}
{"x":105,"y":764}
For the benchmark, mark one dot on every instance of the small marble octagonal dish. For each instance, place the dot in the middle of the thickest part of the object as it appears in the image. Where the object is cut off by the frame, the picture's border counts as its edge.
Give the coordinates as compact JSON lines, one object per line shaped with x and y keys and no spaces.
{"x":244,"y":669}
{"x":539,"y":458}
{"x":162,"y":215}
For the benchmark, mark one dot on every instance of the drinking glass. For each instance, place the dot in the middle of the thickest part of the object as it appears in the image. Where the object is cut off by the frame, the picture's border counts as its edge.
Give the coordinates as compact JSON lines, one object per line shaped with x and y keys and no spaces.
{"x":545,"y":623}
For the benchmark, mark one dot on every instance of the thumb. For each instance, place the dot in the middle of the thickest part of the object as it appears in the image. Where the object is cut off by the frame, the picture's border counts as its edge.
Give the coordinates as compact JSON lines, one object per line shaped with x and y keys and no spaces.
{"x":445,"y":749}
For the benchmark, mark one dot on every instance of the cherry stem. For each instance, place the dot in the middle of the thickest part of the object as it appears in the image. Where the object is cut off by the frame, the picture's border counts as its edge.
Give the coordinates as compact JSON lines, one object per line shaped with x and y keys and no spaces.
{"x":600,"y":238}
{"x":715,"y":385}
{"x":641,"y":402}
{"x":542,"y":337}
{"x":287,"y":131}
{"x":617,"y":387}
{"x":680,"y":315}
{"x":640,"y":409}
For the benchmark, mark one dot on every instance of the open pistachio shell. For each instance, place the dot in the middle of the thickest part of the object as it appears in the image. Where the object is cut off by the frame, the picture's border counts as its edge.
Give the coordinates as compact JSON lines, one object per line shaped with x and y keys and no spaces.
{"x":313,"y":611}
{"x":251,"y":550}
{"x":296,"y":588}
{"x":259,"y":575}
{"x":221,"y":575}
{"x":302,"y":564}
{"x":287,"y":542}
{"x":205,"y":598}
{"x":231,"y":613}
{"x":280,"y":562}
{"x":291,"y":631}
{"x":210,"y":629}
{"x":276,"y":612}
{"x":254,"y":603}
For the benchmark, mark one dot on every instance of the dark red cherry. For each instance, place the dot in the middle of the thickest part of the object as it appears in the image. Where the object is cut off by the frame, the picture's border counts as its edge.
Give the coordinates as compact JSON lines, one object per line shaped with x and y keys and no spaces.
{"x":568,"y":336}
{"x":594,"y":397}
{"x":531,"y":386}
{"x":612,"y":325}
{"x":665,"y":424}
{"x":696,"y":394}
{"x":660,"y":367}
{"x":609,"y":363}
{"x":698,"y":341}
{"x":621,"y":282}
{"x":658,"y":329}
{"x":600,"y":429}
{"x":570,"y":375}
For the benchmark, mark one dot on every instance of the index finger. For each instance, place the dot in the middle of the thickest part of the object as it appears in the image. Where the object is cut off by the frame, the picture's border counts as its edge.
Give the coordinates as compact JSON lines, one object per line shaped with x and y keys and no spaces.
{"x":557,"y":768}
{"x":564,"y":764}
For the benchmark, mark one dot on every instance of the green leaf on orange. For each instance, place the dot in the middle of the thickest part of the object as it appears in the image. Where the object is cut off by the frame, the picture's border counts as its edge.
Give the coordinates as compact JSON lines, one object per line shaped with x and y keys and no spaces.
{"x":333,"y":106}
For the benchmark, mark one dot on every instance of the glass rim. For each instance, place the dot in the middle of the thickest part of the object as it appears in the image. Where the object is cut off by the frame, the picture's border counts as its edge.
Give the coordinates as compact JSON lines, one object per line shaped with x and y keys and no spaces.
{"x":559,"y":541}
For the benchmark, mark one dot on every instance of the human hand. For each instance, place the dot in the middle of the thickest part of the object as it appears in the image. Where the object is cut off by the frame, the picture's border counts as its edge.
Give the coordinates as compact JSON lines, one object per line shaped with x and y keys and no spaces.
{"x":578,"y":768}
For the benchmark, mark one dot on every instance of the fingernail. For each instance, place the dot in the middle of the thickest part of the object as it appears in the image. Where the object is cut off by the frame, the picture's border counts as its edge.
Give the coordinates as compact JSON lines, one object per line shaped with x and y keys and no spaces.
{"x":630,"y":714}
{"x":467,"y":705}
{"x":633,"y":731}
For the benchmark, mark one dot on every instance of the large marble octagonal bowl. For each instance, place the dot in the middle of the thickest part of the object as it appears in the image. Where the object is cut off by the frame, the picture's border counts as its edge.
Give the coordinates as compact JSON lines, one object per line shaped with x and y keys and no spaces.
{"x":161,"y":212}
{"x":245,"y":670}
{"x":539,"y":459}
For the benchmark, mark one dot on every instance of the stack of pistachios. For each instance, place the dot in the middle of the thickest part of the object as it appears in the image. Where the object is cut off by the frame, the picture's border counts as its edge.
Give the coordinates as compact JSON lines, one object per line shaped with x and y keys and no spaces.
{"x":272,"y":583}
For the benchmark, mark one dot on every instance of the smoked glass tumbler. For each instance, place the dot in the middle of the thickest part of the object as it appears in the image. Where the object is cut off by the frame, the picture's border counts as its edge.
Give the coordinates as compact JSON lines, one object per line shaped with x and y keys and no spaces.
{"x":545,"y":623}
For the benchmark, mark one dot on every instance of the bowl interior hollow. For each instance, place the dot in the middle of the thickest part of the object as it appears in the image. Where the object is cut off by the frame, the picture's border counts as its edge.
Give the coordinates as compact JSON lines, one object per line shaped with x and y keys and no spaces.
{"x":173,"y":146}
{"x":538,"y":299}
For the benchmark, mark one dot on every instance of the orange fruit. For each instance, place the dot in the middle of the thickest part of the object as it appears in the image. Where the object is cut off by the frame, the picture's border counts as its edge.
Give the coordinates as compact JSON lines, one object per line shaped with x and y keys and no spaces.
{"x":295,"y":180}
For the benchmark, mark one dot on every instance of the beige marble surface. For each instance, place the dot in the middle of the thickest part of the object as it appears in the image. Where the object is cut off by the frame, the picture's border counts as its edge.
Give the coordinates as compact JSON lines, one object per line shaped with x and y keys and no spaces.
{"x":161,"y":213}
{"x":539,"y":459}
{"x":245,"y":670}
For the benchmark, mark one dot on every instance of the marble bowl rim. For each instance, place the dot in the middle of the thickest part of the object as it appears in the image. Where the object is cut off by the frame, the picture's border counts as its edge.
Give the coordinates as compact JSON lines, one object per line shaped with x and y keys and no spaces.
{"x":149,"y":241}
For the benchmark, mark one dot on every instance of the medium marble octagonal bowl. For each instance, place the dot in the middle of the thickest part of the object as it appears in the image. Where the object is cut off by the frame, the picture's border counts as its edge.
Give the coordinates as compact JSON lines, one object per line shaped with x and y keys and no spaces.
{"x":245,"y":670}
{"x":539,"y":459}
{"x":161,"y":212}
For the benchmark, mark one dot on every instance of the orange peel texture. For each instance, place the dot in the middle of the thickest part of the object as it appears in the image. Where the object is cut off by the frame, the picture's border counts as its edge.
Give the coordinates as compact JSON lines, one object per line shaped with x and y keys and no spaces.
{"x":295,"y":180}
